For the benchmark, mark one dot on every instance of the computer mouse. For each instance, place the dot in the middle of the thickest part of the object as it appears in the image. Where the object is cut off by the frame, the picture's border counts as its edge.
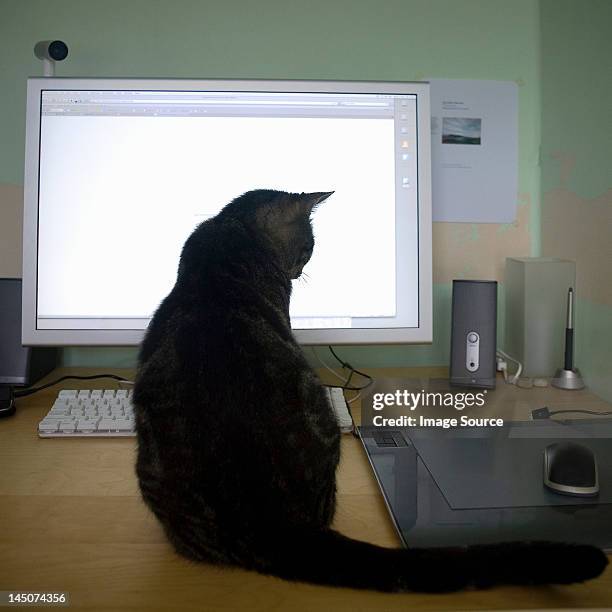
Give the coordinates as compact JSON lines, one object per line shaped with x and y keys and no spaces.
{"x":570,"y":469}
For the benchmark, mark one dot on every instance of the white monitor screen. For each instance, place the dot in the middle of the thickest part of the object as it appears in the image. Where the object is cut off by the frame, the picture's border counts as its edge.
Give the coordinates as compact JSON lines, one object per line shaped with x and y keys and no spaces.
{"x":124,"y":174}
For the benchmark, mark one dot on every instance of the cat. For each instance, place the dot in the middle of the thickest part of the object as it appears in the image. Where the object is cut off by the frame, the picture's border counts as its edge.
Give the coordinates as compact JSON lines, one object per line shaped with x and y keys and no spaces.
{"x":237,"y":444}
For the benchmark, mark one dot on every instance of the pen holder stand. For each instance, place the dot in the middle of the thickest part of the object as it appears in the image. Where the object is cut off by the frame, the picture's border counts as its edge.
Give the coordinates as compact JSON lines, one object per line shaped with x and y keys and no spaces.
{"x":568,"y":379}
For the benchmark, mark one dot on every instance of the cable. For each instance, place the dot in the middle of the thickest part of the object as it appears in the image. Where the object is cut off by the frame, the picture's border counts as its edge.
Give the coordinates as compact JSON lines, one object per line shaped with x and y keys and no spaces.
{"x":343,"y":388}
{"x":346,"y":364}
{"x":580,"y":411}
{"x":518,"y":372}
{"x":33,"y":390}
{"x":545,"y":413}
{"x":345,"y":381}
{"x":316,"y":355}
{"x":348,"y":380}
{"x":354,"y":399}
{"x":7,"y":401}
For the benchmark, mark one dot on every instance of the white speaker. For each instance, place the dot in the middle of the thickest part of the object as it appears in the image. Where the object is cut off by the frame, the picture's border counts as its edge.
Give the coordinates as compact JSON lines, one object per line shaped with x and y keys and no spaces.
{"x":536,"y":305}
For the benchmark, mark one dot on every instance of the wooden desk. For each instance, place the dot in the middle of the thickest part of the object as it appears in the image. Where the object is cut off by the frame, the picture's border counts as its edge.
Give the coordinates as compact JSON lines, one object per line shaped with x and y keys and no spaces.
{"x":71,"y":519}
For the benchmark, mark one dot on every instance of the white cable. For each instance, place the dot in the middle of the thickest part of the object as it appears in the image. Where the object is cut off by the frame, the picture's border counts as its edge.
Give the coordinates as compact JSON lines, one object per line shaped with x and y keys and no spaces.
{"x":501,"y":366}
{"x":519,"y":370}
{"x":354,"y":398}
{"x":517,"y":374}
{"x":344,"y":380}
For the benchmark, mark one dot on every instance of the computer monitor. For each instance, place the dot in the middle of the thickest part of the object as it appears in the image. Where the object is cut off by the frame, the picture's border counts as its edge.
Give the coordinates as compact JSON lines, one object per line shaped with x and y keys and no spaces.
{"x":119,"y":172}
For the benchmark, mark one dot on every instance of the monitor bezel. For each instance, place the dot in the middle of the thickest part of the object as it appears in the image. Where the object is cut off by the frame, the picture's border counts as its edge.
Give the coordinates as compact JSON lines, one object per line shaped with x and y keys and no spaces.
{"x":31,"y":336}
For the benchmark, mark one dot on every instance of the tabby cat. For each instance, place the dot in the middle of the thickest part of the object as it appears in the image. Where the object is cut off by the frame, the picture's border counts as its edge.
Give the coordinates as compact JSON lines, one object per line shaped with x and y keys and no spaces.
{"x":237,"y":445}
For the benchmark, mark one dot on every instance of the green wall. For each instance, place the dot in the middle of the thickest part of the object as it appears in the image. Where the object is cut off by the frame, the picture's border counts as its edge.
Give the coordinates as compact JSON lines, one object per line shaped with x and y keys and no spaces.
{"x":576,"y":114}
{"x":322,"y":39}
{"x":576,"y":168}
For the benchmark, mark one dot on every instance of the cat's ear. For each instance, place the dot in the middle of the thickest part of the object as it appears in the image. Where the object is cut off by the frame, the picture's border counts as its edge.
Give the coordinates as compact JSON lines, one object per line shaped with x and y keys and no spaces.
{"x":312,"y":200}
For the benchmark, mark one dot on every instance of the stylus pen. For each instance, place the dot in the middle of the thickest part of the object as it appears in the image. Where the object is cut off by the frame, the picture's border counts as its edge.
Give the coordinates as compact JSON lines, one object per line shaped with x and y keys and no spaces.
{"x":569,"y":331}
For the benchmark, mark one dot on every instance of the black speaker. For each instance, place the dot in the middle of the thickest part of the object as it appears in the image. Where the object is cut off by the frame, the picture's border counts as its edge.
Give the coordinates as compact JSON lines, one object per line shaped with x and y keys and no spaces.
{"x":19,"y":365}
{"x":473,"y":334}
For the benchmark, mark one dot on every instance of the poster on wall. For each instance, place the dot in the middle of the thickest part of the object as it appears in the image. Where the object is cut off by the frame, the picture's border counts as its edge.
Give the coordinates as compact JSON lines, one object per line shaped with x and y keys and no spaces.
{"x":474,"y":150}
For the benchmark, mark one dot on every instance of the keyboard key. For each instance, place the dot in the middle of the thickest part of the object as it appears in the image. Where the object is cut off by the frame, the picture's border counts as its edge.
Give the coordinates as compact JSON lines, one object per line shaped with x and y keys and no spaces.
{"x":48,"y":426}
{"x":67,"y":426}
{"x":87,"y":425}
{"x":68,"y":393}
{"x":107,"y":425}
{"x":124,"y":424}
{"x":59,"y":412}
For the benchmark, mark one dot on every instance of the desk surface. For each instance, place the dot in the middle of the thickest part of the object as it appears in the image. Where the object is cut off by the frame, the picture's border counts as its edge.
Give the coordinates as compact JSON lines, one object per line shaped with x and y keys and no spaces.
{"x":71,"y":519}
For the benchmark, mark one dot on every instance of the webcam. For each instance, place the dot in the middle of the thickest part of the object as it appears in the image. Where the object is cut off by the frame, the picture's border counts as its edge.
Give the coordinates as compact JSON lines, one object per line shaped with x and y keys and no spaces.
{"x":50,"y":51}
{"x":56,"y":50}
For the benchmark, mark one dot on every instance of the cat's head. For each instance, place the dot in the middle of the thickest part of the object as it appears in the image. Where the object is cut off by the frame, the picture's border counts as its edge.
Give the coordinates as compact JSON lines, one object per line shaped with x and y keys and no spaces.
{"x":283,"y":220}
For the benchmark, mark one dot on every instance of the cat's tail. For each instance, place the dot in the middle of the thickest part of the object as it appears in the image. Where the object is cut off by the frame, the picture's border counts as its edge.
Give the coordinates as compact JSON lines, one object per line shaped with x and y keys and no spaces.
{"x":326,"y":557}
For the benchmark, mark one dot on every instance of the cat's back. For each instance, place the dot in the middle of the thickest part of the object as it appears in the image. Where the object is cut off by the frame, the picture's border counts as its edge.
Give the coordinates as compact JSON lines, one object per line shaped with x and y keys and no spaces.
{"x":223,"y":318}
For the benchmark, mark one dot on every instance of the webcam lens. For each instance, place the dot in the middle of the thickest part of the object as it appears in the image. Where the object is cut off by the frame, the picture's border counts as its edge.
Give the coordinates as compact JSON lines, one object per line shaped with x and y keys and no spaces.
{"x":58,"y":50}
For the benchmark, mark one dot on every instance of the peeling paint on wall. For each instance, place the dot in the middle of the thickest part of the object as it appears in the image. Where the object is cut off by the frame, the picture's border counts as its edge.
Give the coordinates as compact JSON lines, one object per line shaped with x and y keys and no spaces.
{"x":593,"y":346}
{"x":576,"y":153}
{"x":479,"y":251}
{"x":581,"y":229}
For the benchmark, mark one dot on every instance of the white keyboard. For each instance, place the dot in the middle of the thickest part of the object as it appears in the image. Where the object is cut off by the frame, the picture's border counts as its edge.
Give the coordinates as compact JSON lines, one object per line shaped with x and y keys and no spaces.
{"x":340,"y":408}
{"x":110,"y":414}
{"x":99,"y":413}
